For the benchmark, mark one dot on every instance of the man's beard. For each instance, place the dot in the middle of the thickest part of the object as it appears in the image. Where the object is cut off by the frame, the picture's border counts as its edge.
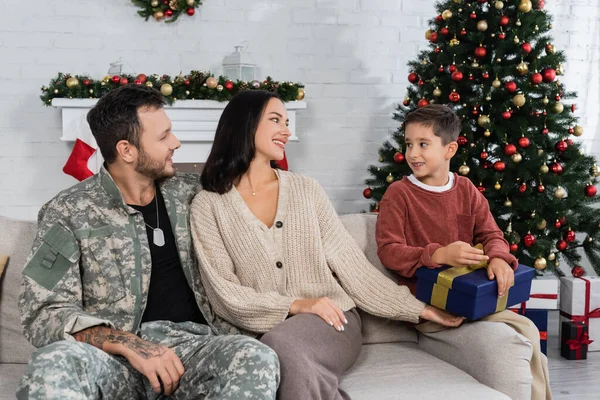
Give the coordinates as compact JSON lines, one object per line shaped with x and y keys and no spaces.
{"x":153,"y":169}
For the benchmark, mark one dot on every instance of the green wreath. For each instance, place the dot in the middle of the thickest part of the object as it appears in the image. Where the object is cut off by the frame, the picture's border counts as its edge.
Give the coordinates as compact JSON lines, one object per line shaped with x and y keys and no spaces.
{"x":169,"y":10}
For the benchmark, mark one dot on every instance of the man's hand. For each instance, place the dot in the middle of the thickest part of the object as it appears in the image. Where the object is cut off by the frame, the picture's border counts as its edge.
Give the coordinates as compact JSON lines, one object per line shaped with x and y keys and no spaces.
{"x":458,"y":254}
{"x":156,"y":362}
{"x":498,"y":269}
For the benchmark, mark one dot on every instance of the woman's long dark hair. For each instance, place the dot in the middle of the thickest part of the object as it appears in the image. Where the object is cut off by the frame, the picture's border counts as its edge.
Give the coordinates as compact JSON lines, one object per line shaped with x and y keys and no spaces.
{"x":233,"y":148}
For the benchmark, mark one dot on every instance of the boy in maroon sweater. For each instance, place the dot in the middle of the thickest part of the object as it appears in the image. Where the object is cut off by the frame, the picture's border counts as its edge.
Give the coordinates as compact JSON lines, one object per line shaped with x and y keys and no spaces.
{"x":434,"y":218}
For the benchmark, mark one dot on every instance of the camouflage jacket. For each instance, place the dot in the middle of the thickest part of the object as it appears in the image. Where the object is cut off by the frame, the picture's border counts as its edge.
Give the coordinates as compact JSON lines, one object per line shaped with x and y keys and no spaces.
{"x":90,"y":263}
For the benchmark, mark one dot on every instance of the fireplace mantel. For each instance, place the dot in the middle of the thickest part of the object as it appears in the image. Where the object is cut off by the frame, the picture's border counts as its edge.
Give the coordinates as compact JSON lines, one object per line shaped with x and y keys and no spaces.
{"x":194,"y":124}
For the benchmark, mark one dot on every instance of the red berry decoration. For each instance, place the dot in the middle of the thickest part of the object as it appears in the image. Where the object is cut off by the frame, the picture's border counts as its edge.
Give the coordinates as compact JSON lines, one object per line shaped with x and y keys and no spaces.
{"x":137,"y":82}
{"x":444,"y":31}
{"x":168,"y":13}
{"x":86,"y":82}
{"x":524,"y":142}
{"x":457,"y":76}
{"x":480,"y":52}
{"x":499,"y":166}
{"x":484,"y":155}
{"x":561,"y":146}
{"x":549,"y":75}
{"x":115,"y":79}
{"x":433,"y":37}
{"x":526,"y":47}
{"x":522,"y":188}
{"x":514,"y":247}
{"x":577,"y":271}
{"x":569,"y":236}
{"x":556,"y":168}
{"x":510,"y":149}
{"x":368,"y":192}
{"x":123,"y":81}
{"x":190,"y":11}
{"x":413,"y":77}
{"x":511,"y":86}
{"x":228,"y":85}
{"x":398,"y":157}
{"x":462,"y":140}
{"x":504,"y":20}
{"x":452,"y":68}
{"x":422,"y":103}
{"x":437,"y":49}
{"x":454,"y":97}
{"x":590,"y":190}
{"x":529,"y":240}
{"x":536,"y":78}
{"x":561,"y":245}
{"x":506,"y":114}
{"x":541,"y":188}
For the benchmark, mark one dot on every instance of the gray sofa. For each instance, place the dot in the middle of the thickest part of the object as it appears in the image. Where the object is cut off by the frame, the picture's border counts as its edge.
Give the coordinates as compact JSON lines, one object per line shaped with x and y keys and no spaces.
{"x":391,"y":365}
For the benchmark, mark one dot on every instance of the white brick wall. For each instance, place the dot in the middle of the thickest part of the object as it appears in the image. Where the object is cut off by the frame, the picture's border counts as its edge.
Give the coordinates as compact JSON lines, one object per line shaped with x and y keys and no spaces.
{"x":351,"y":54}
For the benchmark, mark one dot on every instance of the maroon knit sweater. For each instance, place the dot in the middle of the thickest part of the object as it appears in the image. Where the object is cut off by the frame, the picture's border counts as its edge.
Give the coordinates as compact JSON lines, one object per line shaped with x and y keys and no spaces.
{"x":413,"y":223}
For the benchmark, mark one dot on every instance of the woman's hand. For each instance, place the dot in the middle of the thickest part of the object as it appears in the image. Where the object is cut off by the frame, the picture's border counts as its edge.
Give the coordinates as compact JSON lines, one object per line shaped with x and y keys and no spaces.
{"x":324,"y":308}
{"x":441,"y":317}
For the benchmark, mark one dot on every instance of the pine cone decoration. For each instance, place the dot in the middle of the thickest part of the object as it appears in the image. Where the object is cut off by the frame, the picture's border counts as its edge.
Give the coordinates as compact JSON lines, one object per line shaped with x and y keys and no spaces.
{"x":173,"y":4}
{"x":244,"y":86}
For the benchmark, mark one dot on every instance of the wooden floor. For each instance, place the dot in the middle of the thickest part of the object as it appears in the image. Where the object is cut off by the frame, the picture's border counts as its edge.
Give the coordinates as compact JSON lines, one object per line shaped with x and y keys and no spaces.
{"x":571,"y":380}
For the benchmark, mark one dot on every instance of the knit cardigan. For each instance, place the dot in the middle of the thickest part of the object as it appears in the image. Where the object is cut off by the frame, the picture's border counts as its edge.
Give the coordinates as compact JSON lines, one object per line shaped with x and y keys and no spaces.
{"x":253,"y":273}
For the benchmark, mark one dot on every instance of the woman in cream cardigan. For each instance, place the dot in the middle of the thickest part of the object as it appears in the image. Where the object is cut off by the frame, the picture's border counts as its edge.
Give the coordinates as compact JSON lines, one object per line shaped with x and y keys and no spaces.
{"x":276,"y":260}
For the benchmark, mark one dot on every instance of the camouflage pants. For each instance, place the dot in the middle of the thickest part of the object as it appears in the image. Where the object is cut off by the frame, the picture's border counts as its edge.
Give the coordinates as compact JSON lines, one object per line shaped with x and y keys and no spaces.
{"x":216,"y":367}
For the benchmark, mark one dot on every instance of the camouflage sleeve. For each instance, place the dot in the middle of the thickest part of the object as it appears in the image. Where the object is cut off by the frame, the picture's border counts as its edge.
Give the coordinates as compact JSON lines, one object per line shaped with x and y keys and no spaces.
{"x":50,"y":301}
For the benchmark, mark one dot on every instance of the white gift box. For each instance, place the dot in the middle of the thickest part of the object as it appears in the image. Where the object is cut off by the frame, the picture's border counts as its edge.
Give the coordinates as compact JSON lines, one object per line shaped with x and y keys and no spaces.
{"x":543,"y":294}
{"x":573,"y":303}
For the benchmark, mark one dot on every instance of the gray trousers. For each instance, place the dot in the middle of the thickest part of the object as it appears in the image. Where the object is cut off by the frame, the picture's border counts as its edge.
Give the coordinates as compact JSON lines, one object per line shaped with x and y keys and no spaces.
{"x":216,"y":367}
{"x":313,"y":355}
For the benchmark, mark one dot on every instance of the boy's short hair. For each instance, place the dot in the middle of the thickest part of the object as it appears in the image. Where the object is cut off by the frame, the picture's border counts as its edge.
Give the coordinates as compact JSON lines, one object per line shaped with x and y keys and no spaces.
{"x":444,"y":122}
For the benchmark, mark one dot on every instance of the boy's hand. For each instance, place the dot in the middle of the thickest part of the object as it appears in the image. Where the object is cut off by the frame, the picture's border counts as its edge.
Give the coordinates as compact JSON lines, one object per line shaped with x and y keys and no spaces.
{"x":503,"y":273}
{"x":458,"y":254}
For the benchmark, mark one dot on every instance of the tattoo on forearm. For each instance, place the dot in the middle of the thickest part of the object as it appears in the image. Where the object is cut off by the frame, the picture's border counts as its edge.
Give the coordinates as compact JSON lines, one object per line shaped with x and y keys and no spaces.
{"x":97,"y":336}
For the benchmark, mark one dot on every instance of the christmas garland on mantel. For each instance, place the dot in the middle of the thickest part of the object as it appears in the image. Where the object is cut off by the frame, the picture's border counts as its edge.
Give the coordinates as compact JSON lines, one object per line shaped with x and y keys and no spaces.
{"x":169,"y":10}
{"x":197,"y":85}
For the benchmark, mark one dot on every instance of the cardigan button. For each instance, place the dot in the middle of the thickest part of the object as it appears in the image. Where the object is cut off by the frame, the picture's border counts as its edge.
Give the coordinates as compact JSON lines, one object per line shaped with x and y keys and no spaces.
{"x":278,"y":224}
{"x":279,"y":264}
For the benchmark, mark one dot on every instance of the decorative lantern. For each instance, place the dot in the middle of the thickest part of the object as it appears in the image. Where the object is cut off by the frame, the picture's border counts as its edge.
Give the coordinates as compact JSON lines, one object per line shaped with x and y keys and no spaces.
{"x":239,"y":65}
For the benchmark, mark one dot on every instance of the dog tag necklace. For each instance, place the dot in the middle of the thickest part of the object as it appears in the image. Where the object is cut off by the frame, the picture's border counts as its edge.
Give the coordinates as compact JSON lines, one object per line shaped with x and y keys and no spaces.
{"x":158,"y":236}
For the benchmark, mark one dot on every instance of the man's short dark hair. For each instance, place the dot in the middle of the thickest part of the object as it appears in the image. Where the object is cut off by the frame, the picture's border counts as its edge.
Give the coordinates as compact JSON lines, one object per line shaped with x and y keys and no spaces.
{"x":115,"y":117}
{"x":444,"y":122}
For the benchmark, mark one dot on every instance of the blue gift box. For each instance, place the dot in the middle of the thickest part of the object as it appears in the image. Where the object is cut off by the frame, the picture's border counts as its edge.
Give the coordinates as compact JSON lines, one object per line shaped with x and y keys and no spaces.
{"x":469,"y":292}
{"x":540,"y":318}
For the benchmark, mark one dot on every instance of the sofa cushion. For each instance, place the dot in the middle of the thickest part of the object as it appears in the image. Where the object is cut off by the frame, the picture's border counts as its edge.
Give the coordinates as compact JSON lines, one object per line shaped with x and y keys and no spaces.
{"x":375,"y":329}
{"x":16,"y":238}
{"x":403,"y":371}
{"x":10,"y":376}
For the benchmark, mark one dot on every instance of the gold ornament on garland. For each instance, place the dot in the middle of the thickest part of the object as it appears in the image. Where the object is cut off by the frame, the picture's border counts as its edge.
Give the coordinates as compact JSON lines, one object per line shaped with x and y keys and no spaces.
{"x":212,"y":82}
{"x":190,"y":2}
{"x":72,"y":82}
{"x":158,"y":15}
{"x":173,"y":5}
{"x":166,"y":89}
{"x":169,"y":10}
{"x":301,"y":94}
{"x":154,"y":3}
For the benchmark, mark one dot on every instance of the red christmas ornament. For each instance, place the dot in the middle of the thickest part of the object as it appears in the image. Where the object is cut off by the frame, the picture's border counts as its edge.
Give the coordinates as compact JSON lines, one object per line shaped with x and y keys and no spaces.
{"x":545,"y":131}
{"x":406,"y":102}
{"x":142,"y":77}
{"x":484,"y":155}
{"x":571,"y":130}
{"x":452,"y":68}
{"x":439,"y":18}
{"x":444,"y":31}
{"x":481,"y":189}
{"x":557,"y":224}
{"x":437,"y":49}
{"x":504,"y":20}
{"x":485,"y":75}
{"x":473,"y":15}
{"x":499,"y":166}
{"x":441,"y":68}
{"x":457,"y":76}
{"x":501,"y":35}
{"x":86,"y":82}
{"x":421,"y":82}
{"x":115,"y":79}
{"x":168,"y":13}
{"x":536,"y":78}
{"x":529,"y":240}
{"x":541,"y":4}
{"x":454,"y":97}
{"x":569,"y":236}
{"x":561,"y":245}
{"x":524,"y":142}
{"x":190,"y":11}
{"x":137,"y":82}
{"x":228,"y":85}
{"x":368,"y":192}
{"x":413,"y":78}
{"x":522,"y":188}
{"x":124,"y":81}
{"x":556,"y":168}
{"x":506,"y":114}
{"x":510,"y":149}
{"x":480,"y":52}
{"x":511,"y":86}
{"x":514,"y":247}
{"x":526,"y":47}
{"x":541,"y":188}
{"x":487,"y":165}
{"x":573,"y":107}
{"x":433,"y":37}
{"x":422,"y":103}
{"x":471,"y":77}
{"x":561,"y":146}
{"x":186,"y":82}
{"x":398,"y":157}
{"x":569,"y":142}
{"x":577,"y":271}
{"x":544,"y":113}
{"x":590,"y":191}
{"x":463,"y":31}
{"x":475,"y":111}
{"x":557,"y":97}
{"x":462,"y":140}
{"x":549,"y":75}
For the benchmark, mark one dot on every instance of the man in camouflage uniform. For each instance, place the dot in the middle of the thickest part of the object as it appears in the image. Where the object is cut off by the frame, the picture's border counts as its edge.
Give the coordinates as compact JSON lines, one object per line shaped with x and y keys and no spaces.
{"x":100,"y":296}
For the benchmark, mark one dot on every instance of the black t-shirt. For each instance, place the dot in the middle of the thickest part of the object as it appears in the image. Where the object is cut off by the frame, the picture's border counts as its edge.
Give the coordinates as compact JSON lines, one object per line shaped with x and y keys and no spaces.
{"x":170,"y":297}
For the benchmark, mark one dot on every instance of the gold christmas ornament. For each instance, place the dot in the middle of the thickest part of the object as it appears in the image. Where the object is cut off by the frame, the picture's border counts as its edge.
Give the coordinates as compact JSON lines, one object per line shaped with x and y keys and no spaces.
{"x":187,"y":92}
{"x":540,"y":263}
{"x":389,"y":178}
{"x":149,"y":84}
{"x":577,"y":130}
{"x":545,"y":101}
{"x":519,"y":100}
{"x":497,"y":186}
{"x":540,"y":152}
{"x":437,"y":92}
{"x":552,"y":256}
{"x":464,"y":170}
{"x":517,"y":158}
{"x":550,"y":48}
{"x":166,"y":89}
{"x":301,"y":94}
{"x":487,"y":133}
{"x":154,"y":3}
{"x":559,"y":69}
{"x":212,"y":82}
{"x":594,"y":171}
{"x":542,"y":225}
{"x":220,"y":88}
{"x":190,"y":3}
{"x":522,"y":68}
{"x":72,"y":82}
{"x":475,"y":64}
{"x":560,"y":192}
{"x":173,"y":4}
{"x":499,"y":5}
{"x":508,"y":203}
{"x":106,"y":78}
{"x":446,"y":15}
{"x":483,"y":121}
{"x":428,"y":34}
{"x":496,"y":83}
{"x":91,"y":91}
{"x":454,"y":42}
{"x":518,"y":23}
{"x":558,"y":108}
{"x":482,"y":25}
{"x":544,"y":169}
{"x":525,"y":6}
{"x":158,"y":15}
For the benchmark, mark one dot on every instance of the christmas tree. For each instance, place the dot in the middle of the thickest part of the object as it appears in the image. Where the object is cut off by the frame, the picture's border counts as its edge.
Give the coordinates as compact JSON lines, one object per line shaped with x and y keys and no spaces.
{"x":494,"y":63}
